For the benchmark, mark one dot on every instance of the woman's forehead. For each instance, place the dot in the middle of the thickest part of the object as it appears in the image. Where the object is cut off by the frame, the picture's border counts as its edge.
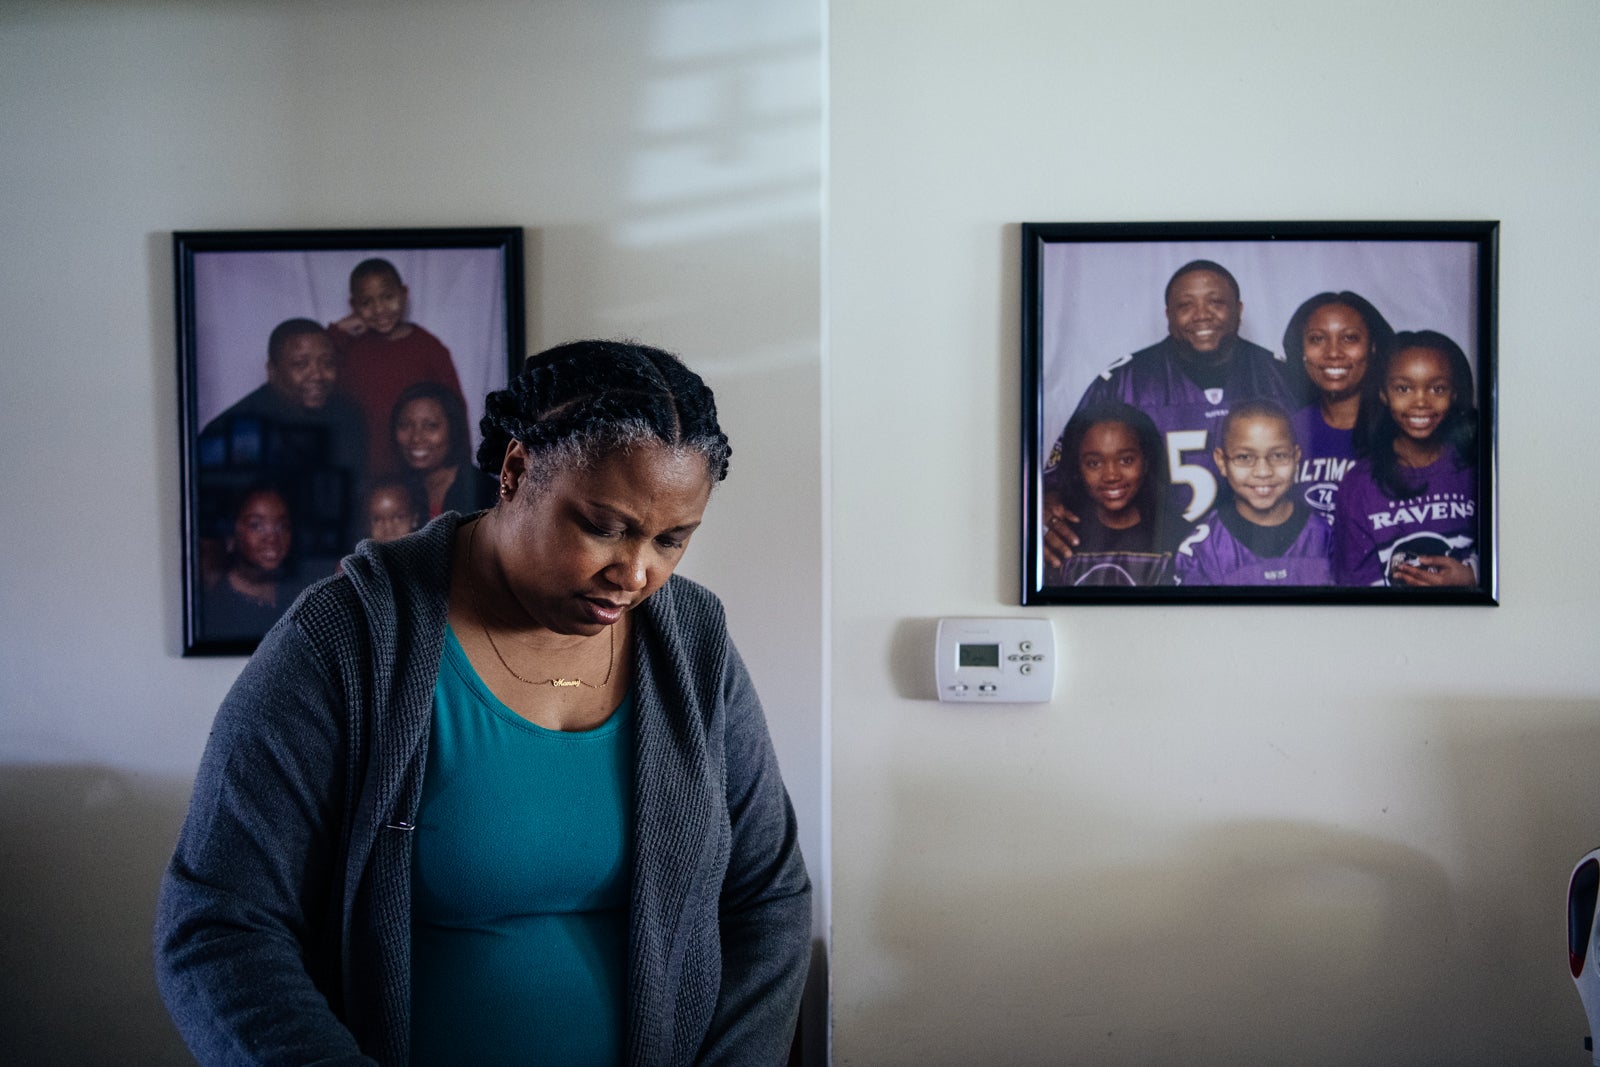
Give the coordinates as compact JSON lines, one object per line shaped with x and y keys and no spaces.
{"x":639,"y":475}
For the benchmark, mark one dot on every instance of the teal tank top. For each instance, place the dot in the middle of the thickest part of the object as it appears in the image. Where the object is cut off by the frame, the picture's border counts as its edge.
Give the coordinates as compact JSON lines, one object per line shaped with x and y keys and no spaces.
{"x":519,"y":884}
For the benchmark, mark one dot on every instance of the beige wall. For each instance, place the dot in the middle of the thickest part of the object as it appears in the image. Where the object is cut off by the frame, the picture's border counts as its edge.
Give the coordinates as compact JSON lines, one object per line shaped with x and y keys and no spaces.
{"x":1238,"y":835}
{"x":665,"y":160}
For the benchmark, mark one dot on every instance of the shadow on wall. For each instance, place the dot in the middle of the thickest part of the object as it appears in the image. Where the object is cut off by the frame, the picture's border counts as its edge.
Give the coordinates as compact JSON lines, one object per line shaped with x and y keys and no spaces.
{"x":911,"y":659}
{"x":83,"y":849}
{"x":1253,"y":936}
{"x":1525,"y":777}
{"x":1252,"y":942}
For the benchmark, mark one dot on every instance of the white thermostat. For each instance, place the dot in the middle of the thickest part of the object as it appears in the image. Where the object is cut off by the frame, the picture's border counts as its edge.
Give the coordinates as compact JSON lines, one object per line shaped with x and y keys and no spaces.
{"x":995,"y":661}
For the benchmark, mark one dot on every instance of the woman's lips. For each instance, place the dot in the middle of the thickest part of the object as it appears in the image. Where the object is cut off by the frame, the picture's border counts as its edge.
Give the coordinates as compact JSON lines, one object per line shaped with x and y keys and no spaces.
{"x":602,"y":612}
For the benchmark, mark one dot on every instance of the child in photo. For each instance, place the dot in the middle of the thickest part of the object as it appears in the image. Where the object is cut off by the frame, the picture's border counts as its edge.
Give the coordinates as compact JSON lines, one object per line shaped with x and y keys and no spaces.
{"x":1111,"y":474}
{"x":1407,"y":513}
{"x":1260,"y":533}
{"x":384,"y":352}
{"x":392,"y":510}
{"x":260,"y":581}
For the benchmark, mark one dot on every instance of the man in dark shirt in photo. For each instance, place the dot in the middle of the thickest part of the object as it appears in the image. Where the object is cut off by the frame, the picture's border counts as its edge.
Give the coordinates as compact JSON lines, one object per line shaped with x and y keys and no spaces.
{"x":297,"y":431}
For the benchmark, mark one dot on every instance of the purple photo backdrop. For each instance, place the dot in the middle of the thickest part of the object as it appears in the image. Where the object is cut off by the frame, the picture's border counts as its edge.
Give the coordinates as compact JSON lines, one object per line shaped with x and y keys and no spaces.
{"x":1103,"y":300}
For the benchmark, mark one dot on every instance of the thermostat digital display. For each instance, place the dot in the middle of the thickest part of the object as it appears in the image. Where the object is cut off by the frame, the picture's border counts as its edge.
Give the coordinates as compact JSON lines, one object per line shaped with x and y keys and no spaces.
{"x":996,"y":661}
{"x":977,"y":655}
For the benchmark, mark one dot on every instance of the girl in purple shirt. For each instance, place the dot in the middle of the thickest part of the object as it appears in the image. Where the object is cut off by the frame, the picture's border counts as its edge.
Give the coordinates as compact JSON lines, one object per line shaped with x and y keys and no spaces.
{"x":1110,"y":473}
{"x":1407,"y":513}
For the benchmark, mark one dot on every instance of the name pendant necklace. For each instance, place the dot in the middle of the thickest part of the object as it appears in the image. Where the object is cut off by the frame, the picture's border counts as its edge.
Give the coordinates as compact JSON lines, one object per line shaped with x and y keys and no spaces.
{"x":483,"y":623}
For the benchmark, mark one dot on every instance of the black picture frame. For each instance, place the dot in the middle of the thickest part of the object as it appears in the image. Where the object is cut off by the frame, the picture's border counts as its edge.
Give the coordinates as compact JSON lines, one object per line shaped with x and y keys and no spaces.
{"x":1093,"y":295}
{"x":277,"y":452}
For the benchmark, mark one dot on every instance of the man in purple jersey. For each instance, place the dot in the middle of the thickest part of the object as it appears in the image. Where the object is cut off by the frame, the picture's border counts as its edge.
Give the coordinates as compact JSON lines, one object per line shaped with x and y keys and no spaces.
{"x":1185,"y":383}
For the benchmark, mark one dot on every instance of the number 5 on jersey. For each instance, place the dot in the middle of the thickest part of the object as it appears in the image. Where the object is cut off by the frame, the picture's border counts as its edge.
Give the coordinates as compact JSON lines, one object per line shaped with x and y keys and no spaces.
{"x":1197,"y":478}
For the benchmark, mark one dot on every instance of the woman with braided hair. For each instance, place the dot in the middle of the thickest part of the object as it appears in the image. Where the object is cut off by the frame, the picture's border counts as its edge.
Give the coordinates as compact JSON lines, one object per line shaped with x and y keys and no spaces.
{"x":502,"y":792}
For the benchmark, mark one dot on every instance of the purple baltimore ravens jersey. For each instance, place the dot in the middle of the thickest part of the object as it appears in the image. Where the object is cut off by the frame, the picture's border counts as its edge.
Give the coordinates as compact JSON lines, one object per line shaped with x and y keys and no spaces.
{"x":1225,"y":549}
{"x":1370,"y":529}
{"x":1326,"y":456}
{"x":1186,"y":414}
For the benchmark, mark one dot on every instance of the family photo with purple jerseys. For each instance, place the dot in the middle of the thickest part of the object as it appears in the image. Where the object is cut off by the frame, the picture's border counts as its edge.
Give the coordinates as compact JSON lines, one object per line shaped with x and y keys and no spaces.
{"x":1258,"y":414}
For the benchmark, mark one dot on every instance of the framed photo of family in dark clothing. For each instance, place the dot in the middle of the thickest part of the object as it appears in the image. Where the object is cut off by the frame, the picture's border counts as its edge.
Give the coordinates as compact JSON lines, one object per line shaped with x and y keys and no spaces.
{"x":1292,"y":412}
{"x":330,"y":386}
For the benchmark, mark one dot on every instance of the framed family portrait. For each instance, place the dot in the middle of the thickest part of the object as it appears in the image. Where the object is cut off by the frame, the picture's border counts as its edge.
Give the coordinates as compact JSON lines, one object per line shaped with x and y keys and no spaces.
{"x":1259,"y":412}
{"x":330,"y":386}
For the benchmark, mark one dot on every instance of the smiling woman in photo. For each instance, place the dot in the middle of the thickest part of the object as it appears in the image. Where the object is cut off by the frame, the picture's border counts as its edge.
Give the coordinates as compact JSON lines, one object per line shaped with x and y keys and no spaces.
{"x":429,"y":429}
{"x":1333,"y":341}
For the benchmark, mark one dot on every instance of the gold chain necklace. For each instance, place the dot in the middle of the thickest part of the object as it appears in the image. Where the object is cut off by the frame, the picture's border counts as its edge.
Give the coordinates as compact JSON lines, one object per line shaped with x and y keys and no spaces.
{"x":483,"y":622}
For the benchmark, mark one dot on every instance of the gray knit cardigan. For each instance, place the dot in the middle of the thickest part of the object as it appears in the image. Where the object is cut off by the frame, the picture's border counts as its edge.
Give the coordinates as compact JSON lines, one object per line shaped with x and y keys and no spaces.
{"x":283,"y":928}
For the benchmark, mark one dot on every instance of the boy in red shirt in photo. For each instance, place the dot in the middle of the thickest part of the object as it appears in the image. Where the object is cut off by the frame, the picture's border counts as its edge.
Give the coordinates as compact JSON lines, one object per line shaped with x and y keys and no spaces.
{"x":384,"y":353}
